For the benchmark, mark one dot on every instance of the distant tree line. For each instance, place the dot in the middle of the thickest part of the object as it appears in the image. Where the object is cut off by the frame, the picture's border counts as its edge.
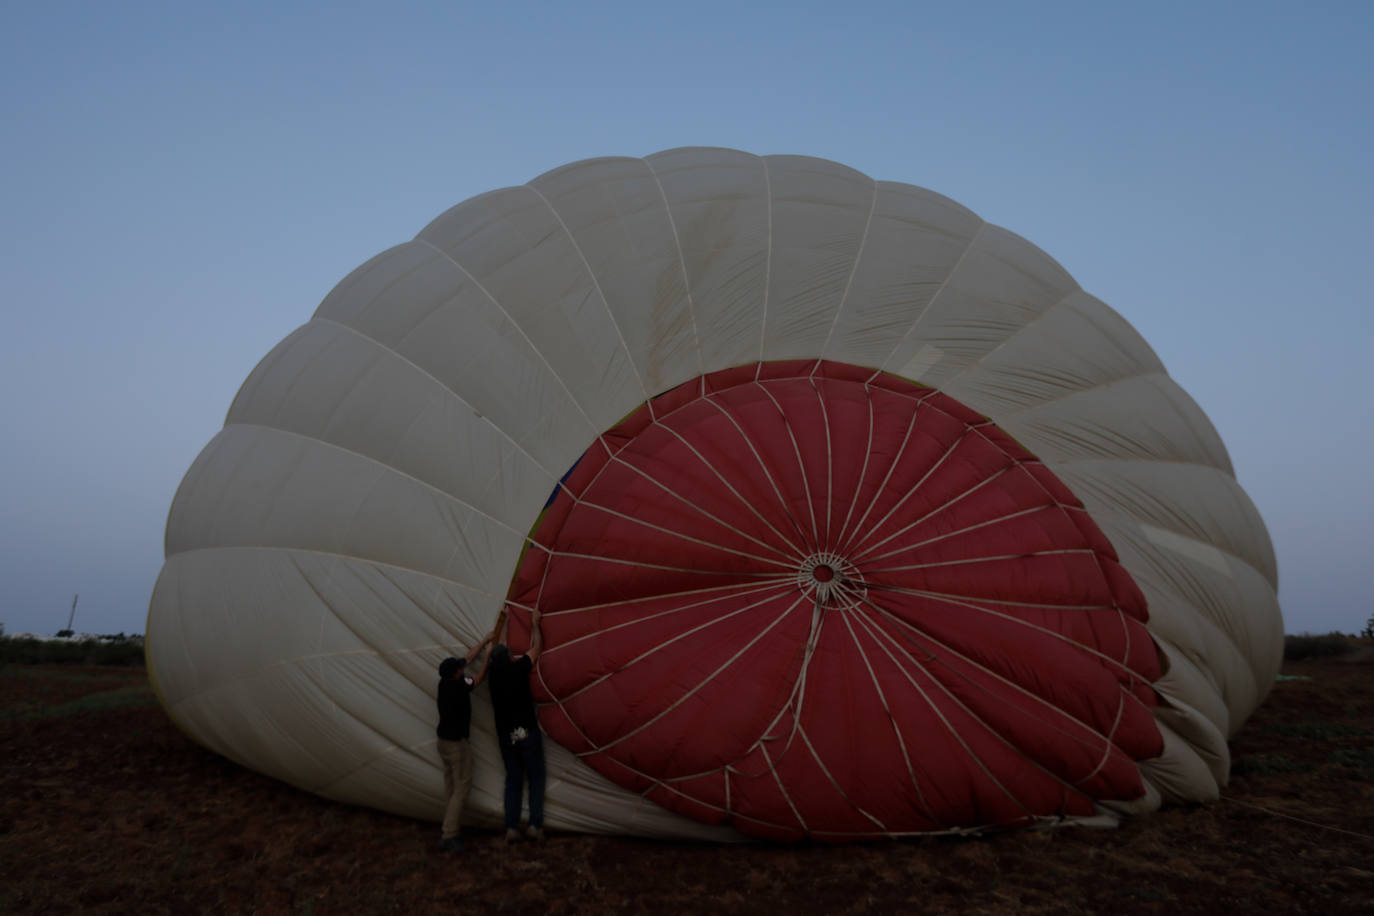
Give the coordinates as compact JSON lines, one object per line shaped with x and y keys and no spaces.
{"x":1319,"y":645}
{"x":119,"y":649}
{"x":115,"y":649}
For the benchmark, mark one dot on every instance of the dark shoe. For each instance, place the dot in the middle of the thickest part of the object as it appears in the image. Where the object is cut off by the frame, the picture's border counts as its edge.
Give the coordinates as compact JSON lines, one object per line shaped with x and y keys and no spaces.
{"x":451,"y":844}
{"x":535,"y":833}
{"x":512,"y":836}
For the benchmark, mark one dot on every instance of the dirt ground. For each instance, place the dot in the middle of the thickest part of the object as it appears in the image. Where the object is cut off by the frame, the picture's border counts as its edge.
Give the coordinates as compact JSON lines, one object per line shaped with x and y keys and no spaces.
{"x":105,"y":807}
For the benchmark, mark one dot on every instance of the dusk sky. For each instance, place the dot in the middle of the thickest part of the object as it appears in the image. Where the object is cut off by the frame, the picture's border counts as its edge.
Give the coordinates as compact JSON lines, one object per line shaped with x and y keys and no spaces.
{"x":183,"y":186}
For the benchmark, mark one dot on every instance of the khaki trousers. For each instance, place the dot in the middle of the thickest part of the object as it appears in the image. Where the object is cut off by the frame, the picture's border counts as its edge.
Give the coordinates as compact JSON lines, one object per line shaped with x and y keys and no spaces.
{"x":457,"y":760}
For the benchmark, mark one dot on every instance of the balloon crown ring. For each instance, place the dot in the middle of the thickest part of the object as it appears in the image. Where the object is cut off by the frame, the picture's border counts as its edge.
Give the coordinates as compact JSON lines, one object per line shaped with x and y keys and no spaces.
{"x":835,"y":582}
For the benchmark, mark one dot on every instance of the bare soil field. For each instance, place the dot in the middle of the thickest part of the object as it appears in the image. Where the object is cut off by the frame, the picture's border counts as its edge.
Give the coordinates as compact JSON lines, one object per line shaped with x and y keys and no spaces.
{"x":105,"y":807}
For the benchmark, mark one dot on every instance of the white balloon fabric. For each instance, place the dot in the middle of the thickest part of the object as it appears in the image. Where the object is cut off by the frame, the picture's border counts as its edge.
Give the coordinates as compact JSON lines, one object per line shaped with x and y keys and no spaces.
{"x":382,"y":476}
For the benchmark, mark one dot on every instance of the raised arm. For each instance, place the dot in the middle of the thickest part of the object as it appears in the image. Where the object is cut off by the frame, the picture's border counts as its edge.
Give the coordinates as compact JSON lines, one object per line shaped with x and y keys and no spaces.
{"x":497,"y":635}
{"x":475,"y":650}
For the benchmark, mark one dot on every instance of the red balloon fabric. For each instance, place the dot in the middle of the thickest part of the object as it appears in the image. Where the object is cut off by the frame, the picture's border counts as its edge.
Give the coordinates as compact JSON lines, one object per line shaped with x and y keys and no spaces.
{"x":813,"y":600}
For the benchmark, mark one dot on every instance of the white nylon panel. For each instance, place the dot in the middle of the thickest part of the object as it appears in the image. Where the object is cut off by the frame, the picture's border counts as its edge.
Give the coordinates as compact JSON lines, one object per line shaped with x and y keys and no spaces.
{"x":1146,"y":416}
{"x":514,"y":248}
{"x":349,"y":391}
{"x":1192,"y":501}
{"x":262,"y":487}
{"x":1200,"y":734}
{"x":437,"y":318}
{"x":914,"y":239}
{"x":1180,"y":774}
{"x":618,"y":218}
{"x":412,"y":780}
{"x":1226,"y":596}
{"x":722,"y":215}
{"x":259,"y":608}
{"x":999,"y":284}
{"x":1183,"y":681}
{"x":319,"y":721}
{"x":821,"y":213}
{"x":1075,"y":345}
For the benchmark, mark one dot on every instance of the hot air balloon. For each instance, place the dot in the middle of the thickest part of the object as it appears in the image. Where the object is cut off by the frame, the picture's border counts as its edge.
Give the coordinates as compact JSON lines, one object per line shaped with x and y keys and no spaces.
{"x":847,"y":515}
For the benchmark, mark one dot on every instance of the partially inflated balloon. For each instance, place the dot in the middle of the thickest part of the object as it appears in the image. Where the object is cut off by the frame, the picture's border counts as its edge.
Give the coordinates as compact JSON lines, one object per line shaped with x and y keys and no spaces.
{"x":845,"y":513}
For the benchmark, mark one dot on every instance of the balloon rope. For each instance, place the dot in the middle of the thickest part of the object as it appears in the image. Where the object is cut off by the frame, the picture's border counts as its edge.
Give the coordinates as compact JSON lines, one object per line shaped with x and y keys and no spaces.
{"x":1298,"y":819}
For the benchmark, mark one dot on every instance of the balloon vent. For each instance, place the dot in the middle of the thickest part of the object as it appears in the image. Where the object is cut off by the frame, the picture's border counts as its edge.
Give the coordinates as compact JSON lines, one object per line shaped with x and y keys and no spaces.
{"x":832,"y":581}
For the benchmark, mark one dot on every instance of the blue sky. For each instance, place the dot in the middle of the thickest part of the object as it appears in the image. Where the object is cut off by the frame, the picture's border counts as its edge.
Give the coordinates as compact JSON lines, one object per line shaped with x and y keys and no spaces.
{"x":183,"y":185}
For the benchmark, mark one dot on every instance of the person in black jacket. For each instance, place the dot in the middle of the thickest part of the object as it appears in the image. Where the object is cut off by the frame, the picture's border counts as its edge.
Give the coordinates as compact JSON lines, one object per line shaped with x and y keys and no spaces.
{"x":454,"y":698}
{"x":517,"y":732}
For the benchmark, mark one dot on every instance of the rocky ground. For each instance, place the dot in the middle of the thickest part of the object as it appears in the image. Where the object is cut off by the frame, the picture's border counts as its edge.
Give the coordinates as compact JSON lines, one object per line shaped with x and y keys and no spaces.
{"x":105,"y":807}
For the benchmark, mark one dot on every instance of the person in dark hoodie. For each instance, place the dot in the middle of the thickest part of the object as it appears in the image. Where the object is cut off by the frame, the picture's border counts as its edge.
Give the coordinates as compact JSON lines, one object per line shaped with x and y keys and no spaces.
{"x":454,"y":697}
{"x":517,"y":732}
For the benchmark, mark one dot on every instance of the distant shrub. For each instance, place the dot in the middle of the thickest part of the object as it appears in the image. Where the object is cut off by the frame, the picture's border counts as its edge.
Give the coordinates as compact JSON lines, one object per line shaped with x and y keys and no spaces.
{"x":1310,"y":645}
{"x":105,"y":650}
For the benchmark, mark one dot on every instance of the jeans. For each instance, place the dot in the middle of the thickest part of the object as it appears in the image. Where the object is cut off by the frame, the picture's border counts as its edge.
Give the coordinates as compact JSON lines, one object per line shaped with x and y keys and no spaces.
{"x":524,"y":761}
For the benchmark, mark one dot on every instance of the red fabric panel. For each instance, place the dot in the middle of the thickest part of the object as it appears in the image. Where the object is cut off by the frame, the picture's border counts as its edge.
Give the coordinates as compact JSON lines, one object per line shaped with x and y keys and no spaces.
{"x":971,"y":652}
